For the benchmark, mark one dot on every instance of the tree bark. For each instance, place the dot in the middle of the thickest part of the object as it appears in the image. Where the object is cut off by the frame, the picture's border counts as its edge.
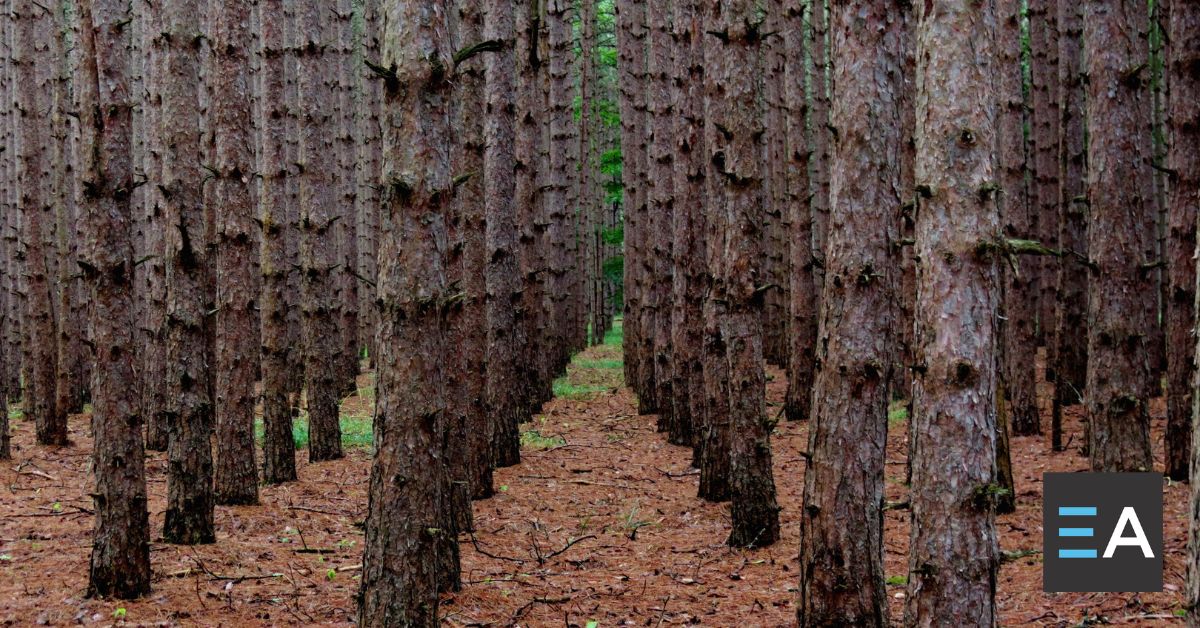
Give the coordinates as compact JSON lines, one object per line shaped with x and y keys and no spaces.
{"x":802,"y":288}
{"x":34,"y":62}
{"x":1121,"y":238}
{"x":1184,"y":113}
{"x":656,"y":317}
{"x":1043,"y":166}
{"x":189,"y":409}
{"x":841,"y":537}
{"x":319,"y":215}
{"x":953,"y":556}
{"x":120,"y":562}
{"x":348,"y":350}
{"x":1070,"y":357}
{"x":558,"y":185}
{"x":409,"y":487}
{"x":631,"y":65}
{"x":755,"y":513}
{"x":7,"y":210}
{"x":1184,"y":165}
{"x":279,"y":447}
{"x":1019,"y":220}
{"x":237,"y":325}
{"x":505,"y":333}
{"x":820,"y":134}
{"x":688,"y":246}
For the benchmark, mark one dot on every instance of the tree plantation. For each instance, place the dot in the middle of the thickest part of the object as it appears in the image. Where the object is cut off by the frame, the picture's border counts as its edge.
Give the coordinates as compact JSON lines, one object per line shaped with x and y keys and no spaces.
{"x":592,"y":312}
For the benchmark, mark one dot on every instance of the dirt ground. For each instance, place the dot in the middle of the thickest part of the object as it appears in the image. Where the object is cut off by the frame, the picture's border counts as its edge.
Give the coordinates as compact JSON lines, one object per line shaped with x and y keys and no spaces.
{"x":599,"y":523}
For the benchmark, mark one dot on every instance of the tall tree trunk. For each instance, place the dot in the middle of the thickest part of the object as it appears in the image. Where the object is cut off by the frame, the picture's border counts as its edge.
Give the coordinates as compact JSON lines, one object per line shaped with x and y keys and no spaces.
{"x":531,"y":310}
{"x":8,"y":180}
{"x":1019,"y":220}
{"x":688,"y":247}
{"x":367,"y":197}
{"x":660,"y":209}
{"x":558,"y":190}
{"x":820,"y":133}
{"x":841,"y":537}
{"x":1070,"y":356}
{"x":714,"y":455}
{"x":237,"y":325}
{"x":631,"y":65}
{"x":953,"y":556}
{"x":1121,"y":236}
{"x":774,"y":55}
{"x":279,"y":448}
{"x":348,"y":349}
{"x":319,"y":215}
{"x":588,"y":198}
{"x":802,"y":287}
{"x":1043,"y":166}
{"x":754,"y":510}
{"x":189,"y":409}
{"x":405,"y":529}
{"x":505,"y":333}
{"x":1184,"y":165}
{"x":34,"y":62}
{"x":1184,"y":160}
{"x":154,"y":387}
{"x":120,"y":563}
{"x":465,"y":262}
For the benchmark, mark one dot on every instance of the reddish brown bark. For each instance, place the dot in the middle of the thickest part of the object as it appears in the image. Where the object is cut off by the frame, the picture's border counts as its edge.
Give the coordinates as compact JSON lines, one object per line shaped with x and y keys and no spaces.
{"x":841,"y":526}
{"x":1121,"y":236}
{"x":1043,"y":165}
{"x":802,"y":287}
{"x":409,"y":488}
{"x":120,"y":562}
{"x":953,"y":556}
{"x":189,"y":409}
{"x":1184,"y":166}
{"x":631,"y":64}
{"x":237,"y":323}
{"x":656,"y":311}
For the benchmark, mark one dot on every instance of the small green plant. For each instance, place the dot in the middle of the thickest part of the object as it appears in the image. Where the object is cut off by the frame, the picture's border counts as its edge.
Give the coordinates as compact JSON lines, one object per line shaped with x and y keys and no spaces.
{"x":119,"y":613}
{"x":896,"y":581}
{"x":331,"y":574}
{"x":533,"y":439}
{"x":345,"y":543}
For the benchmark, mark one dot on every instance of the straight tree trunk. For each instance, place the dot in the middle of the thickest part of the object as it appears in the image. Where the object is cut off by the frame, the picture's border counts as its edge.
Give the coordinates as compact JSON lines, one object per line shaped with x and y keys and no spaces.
{"x":841,"y":537}
{"x":348,"y":350}
{"x":1070,"y":356}
{"x":367,"y":197}
{"x":755,"y":513}
{"x":774,"y":56}
{"x":1184,"y":165}
{"x":802,"y":286}
{"x":279,"y":447}
{"x":657,"y":311}
{"x":559,"y":181}
{"x":953,"y":556}
{"x":1043,"y":166}
{"x":237,"y":325}
{"x":7,"y":210}
{"x":588,"y":168}
{"x":505,"y":333}
{"x":1019,"y":220}
{"x":34,"y":62}
{"x":714,"y":454}
{"x":631,"y":65}
{"x":1121,"y":238}
{"x":409,"y":487}
{"x":319,"y":215}
{"x":688,"y":246}
{"x":820,"y":133}
{"x":120,"y":562}
{"x":189,"y":409}
{"x":531,"y":310}
{"x":1183,"y":160}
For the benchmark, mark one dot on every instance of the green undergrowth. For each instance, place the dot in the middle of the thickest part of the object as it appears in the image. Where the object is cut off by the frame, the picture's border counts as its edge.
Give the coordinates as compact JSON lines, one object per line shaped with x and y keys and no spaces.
{"x":597,"y":370}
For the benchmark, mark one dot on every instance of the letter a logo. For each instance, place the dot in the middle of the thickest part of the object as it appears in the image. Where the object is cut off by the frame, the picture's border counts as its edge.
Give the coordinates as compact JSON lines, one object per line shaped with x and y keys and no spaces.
{"x":1128,"y":518}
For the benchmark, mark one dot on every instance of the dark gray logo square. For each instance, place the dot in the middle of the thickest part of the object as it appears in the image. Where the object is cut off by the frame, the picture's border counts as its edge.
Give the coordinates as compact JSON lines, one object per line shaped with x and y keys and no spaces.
{"x":1097,"y":529}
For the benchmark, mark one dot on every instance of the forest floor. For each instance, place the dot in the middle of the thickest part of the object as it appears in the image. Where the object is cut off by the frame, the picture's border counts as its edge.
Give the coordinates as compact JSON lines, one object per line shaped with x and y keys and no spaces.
{"x":598,"y":526}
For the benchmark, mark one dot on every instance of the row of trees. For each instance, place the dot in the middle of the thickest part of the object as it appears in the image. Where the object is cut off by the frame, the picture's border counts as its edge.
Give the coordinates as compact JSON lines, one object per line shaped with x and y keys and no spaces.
{"x":897,"y":202}
{"x":202,"y":196}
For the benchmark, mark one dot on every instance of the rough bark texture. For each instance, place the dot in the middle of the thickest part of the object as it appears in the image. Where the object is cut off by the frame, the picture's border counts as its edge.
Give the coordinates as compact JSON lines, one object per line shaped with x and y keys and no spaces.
{"x":1183,"y":162}
{"x":319,"y":215}
{"x":120,"y":563}
{"x":346,"y":283}
{"x":34,"y":61}
{"x":1043,"y":166}
{"x":1018,"y":218}
{"x":279,"y":448}
{"x":7,"y":211}
{"x":802,"y":286}
{"x":505,"y":333}
{"x":1121,"y":235}
{"x":953,"y":555}
{"x":409,"y":487}
{"x":774,"y":56}
{"x":841,"y":524}
{"x":656,"y":310}
{"x":237,"y":325}
{"x":557,"y":190}
{"x":820,"y":134}
{"x":367,"y":197}
{"x":1184,"y":35}
{"x":631,"y":64}
{"x":1070,"y":356}
{"x":755,"y":514}
{"x":688,"y":246}
{"x":714,"y":436}
{"x":189,"y":410}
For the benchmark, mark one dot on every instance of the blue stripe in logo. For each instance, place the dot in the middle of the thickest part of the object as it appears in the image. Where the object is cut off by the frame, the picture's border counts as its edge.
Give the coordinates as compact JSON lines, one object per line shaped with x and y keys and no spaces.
{"x":1075,"y":532}
{"x":1077,"y":511}
{"x":1076,"y":553}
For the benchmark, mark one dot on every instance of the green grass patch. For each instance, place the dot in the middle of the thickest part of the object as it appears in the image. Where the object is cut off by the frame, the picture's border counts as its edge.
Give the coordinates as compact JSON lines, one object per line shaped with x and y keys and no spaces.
{"x":607,"y":365}
{"x":897,"y":580}
{"x":534,"y":439}
{"x":565,"y":389}
{"x":356,"y":431}
{"x":898,"y":412}
{"x":615,"y":336}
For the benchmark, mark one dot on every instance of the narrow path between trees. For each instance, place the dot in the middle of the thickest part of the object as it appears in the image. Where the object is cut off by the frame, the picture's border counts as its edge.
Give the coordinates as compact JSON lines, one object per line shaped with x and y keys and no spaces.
{"x":598,"y":523}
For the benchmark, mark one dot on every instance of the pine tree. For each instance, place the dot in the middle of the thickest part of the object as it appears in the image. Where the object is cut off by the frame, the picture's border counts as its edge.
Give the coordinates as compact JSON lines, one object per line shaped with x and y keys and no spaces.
{"x":841,"y":523}
{"x":953,"y":556}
